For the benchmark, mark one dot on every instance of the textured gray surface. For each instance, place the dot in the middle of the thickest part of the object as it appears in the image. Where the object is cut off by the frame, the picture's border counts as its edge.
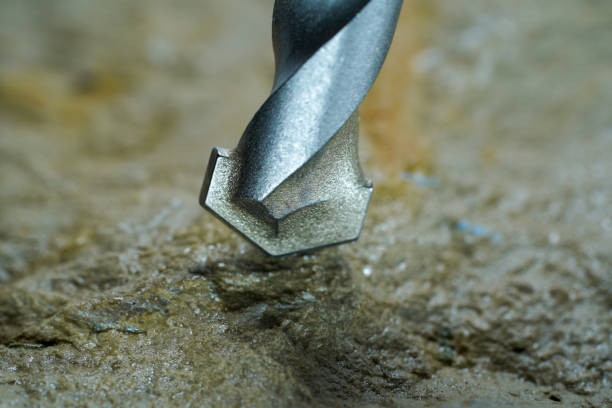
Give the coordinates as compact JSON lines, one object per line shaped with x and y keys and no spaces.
{"x":485,"y":282}
{"x":322,"y":204}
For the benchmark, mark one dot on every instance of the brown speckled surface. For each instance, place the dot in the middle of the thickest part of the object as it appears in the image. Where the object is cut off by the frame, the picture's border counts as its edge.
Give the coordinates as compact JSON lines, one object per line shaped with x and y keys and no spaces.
{"x":485,"y":280}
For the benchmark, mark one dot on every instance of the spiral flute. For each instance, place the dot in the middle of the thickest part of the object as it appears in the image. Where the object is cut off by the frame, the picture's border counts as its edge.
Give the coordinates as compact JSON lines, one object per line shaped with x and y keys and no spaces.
{"x":294,"y":182}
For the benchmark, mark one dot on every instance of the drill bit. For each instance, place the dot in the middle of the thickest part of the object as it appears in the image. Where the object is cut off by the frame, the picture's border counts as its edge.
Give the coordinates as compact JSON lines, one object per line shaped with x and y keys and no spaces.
{"x":294,"y":182}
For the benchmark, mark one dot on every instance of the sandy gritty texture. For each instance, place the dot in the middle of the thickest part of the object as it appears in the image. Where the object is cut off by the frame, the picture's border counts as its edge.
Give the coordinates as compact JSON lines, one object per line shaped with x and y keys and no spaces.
{"x":483,"y":277}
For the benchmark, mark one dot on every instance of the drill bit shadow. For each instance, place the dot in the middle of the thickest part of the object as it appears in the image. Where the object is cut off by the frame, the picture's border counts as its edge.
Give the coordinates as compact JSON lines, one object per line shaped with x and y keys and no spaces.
{"x":282,"y":284}
{"x":309,"y":315}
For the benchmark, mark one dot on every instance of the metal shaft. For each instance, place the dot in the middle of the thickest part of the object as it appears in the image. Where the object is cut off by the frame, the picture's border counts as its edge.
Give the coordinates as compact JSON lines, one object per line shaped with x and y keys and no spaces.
{"x":294,"y":182}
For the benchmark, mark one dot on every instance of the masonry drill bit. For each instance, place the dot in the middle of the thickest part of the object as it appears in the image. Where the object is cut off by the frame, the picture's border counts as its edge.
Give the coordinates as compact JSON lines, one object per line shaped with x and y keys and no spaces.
{"x":294,"y":182}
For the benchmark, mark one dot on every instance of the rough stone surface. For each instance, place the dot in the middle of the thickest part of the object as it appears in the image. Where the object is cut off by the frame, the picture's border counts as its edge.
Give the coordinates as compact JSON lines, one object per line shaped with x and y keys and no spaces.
{"x":485,"y":280}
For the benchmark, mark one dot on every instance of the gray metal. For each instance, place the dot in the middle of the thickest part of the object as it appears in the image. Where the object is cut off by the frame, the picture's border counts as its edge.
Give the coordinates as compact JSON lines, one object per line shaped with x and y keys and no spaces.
{"x":294,"y":182}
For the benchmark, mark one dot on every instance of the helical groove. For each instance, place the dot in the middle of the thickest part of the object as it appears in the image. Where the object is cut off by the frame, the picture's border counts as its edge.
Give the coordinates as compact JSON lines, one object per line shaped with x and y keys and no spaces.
{"x":328,"y":55}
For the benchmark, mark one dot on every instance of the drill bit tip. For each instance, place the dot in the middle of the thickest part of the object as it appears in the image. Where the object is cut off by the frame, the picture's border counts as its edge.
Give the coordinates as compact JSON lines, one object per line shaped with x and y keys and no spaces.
{"x":322,"y":204}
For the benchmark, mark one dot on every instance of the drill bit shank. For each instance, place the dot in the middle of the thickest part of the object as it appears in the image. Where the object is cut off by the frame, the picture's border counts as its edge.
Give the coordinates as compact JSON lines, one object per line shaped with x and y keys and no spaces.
{"x":294,"y":182}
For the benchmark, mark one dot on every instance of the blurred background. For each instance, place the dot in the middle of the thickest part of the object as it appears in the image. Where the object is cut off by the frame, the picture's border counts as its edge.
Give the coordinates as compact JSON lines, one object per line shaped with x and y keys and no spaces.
{"x":490,"y":125}
{"x":98,"y":100}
